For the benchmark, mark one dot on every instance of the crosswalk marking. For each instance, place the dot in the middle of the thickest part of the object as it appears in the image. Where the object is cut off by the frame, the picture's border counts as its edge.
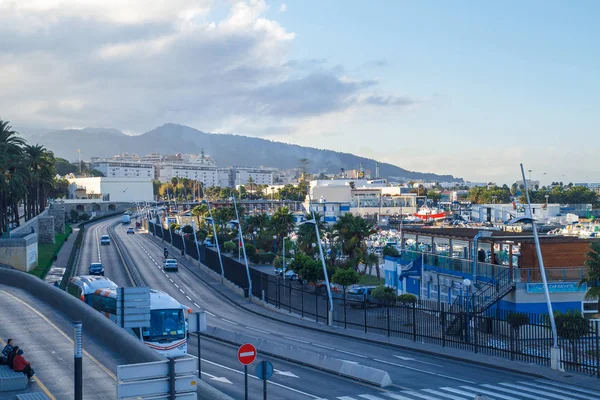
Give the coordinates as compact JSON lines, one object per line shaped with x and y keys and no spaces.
{"x":444,"y":395}
{"x":584,"y":392}
{"x":521,"y":387}
{"x":521,"y":390}
{"x":559,"y":389}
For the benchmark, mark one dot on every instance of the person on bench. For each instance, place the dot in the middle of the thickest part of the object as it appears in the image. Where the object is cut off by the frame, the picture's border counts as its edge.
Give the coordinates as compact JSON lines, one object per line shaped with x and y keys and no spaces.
{"x":6,"y":352}
{"x":20,"y":364}
{"x":11,"y":357}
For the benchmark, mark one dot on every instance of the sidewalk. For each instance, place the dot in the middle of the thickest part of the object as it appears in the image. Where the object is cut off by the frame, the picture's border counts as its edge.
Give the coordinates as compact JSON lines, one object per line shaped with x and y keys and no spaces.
{"x":257,"y":307}
{"x":59,"y":266}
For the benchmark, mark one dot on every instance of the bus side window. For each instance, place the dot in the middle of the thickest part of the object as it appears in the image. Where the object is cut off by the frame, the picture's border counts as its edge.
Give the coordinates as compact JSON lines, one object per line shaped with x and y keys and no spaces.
{"x":73,"y":290}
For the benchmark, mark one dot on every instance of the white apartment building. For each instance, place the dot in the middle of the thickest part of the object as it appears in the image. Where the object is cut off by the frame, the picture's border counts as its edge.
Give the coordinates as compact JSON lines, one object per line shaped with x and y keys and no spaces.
{"x":111,"y":189}
{"x":239,"y":176}
{"x":124,"y":169}
{"x":207,"y":174}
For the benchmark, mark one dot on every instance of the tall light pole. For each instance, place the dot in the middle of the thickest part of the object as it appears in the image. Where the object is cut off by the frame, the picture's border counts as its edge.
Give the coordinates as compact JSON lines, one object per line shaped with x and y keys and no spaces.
{"x":274,"y":244}
{"x":528,"y":218}
{"x":243,"y":247}
{"x":212,"y":222}
{"x":314,"y":221}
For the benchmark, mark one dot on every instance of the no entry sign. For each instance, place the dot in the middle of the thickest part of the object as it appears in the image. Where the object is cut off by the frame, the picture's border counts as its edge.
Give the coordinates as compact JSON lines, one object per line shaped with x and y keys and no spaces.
{"x":246,"y":354}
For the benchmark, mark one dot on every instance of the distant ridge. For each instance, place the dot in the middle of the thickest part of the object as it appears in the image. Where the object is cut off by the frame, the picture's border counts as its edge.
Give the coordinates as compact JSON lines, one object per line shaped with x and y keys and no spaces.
{"x":226,"y":149}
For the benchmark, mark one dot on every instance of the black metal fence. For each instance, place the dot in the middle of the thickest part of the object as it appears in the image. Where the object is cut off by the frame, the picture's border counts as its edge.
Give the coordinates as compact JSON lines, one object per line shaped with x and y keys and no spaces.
{"x":424,"y":321}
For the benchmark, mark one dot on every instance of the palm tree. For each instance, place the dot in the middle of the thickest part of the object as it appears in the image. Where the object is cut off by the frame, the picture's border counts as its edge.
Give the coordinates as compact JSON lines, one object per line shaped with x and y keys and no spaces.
{"x":371,"y":260}
{"x":200,"y":212}
{"x":251,"y":184}
{"x":593,"y":275}
{"x":10,"y":155}
{"x":36,"y":159}
{"x":307,"y":235}
{"x":351,"y":232}
{"x":282,"y":223}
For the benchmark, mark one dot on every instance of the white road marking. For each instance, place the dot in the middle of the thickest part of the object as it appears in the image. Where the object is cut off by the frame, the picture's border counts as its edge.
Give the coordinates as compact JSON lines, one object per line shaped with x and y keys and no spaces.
{"x":296,"y":340}
{"x":229,"y":322}
{"x":181,"y":291}
{"x":325,"y":347}
{"x":188,"y":297}
{"x":196,"y":305}
{"x":258,"y":330}
{"x":176,"y":285}
{"x":268,"y":382}
{"x":423,"y":371}
{"x":286,"y":373}
{"x":218,"y":379}
{"x":209,"y":313}
{"x":352,"y":354}
{"x":419,"y":361}
{"x":171,"y":280}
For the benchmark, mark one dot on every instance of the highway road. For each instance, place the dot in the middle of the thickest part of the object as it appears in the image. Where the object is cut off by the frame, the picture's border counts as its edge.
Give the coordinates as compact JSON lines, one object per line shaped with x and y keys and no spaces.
{"x":414,"y":375}
{"x":46,"y":337}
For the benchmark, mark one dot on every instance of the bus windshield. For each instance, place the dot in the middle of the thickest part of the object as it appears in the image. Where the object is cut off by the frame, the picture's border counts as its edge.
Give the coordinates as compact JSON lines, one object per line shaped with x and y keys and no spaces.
{"x":165,"y":326}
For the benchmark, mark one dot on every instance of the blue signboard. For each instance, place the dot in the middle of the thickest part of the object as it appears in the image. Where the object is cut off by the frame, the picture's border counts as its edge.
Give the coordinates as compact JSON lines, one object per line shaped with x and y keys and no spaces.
{"x":558,"y":287}
{"x":264,"y":370}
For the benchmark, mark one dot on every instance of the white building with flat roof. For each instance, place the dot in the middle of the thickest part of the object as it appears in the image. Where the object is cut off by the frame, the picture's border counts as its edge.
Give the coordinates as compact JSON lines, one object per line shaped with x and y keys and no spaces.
{"x":124,"y":169}
{"x":111,"y":189}
{"x":207,"y":174}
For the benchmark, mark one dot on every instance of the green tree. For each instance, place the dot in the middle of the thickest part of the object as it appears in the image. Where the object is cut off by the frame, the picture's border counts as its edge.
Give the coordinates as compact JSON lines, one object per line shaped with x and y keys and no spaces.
{"x":352,"y":231}
{"x":371,"y":260}
{"x":571,"y":326}
{"x":390,"y":251}
{"x":516,"y":321}
{"x":64,"y":167}
{"x":384,"y":295}
{"x":592,"y":279}
{"x":345,"y":277}
{"x":201,"y":213}
{"x":307,"y":235}
{"x":282,"y":223}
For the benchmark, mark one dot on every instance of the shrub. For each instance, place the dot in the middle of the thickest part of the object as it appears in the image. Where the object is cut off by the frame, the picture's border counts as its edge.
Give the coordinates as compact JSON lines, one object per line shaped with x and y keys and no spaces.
{"x":188,"y":229}
{"x":384,"y":295}
{"x":345,"y":277}
{"x":173,"y":226}
{"x":266,"y":258}
{"x":229,"y":247}
{"x":201,"y":235}
{"x":250,"y":249}
{"x":517,"y":320}
{"x":390,"y":251}
{"x":407,"y":298}
{"x":84,"y":217}
{"x":74,"y":215}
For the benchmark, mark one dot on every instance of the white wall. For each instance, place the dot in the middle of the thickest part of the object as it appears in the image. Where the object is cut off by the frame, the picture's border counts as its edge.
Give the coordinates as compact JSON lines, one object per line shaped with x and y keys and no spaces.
{"x":119,"y":189}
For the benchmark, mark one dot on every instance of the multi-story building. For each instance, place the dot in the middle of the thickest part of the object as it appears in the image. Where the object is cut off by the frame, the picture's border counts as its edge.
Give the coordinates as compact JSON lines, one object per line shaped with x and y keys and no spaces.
{"x":333,"y":198}
{"x":207,"y":174}
{"x":124,"y":169}
{"x":240,"y":176}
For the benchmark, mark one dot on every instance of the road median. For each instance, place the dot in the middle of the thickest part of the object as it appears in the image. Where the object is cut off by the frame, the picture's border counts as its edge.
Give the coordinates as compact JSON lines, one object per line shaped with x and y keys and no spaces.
{"x":355,"y":371}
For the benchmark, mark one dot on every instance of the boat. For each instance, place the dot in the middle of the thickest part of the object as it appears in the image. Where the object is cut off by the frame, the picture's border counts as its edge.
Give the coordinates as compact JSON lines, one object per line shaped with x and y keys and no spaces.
{"x":430,"y":214}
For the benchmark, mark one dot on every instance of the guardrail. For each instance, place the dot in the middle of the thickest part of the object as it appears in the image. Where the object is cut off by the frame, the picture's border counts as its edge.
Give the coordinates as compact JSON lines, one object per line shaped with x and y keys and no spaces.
{"x":74,"y":256}
{"x":95,"y":324}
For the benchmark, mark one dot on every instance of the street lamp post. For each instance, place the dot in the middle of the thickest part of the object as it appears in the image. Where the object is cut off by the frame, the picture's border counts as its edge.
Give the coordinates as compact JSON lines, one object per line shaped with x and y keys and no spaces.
{"x":466,"y":285}
{"x":254,"y":237}
{"x":243,"y":247}
{"x":528,"y":218}
{"x":274,"y":244}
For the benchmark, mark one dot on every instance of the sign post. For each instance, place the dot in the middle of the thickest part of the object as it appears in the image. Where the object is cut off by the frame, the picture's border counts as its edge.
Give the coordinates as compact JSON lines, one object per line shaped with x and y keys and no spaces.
{"x":198,"y":325}
{"x":246,"y":355}
{"x":264,"y":371}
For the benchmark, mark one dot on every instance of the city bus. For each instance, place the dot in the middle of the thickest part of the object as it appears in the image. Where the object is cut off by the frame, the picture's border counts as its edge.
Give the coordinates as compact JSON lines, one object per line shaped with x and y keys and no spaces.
{"x":83,"y":287}
{"x":167,"y":333}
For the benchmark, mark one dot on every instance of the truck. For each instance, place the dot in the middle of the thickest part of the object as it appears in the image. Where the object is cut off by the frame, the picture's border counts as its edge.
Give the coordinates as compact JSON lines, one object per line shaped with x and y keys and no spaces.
{"x":126,"y":220}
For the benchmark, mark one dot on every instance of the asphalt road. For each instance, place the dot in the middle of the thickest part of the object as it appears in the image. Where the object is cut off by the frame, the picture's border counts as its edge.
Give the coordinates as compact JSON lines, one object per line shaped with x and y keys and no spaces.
{"x":409,"y":371}
{"x":46,"y":337}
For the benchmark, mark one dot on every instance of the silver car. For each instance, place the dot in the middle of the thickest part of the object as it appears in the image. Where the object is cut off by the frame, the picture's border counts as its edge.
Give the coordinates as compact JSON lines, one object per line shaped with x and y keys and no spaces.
{"x":104,"y":239}
{"x":170,"y":264}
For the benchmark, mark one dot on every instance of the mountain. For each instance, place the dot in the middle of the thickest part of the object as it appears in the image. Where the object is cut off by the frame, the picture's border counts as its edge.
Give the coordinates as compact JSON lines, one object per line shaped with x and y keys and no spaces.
{"x":226,"y":149}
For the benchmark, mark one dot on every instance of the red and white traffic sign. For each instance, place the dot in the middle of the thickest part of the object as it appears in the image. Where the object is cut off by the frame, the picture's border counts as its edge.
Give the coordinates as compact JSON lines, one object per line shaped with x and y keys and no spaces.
{"x":246,"y":354}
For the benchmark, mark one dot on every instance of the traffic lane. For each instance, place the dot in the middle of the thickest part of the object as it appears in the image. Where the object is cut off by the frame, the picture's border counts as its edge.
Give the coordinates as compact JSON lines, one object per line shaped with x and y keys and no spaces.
{"x":219,"y":356}
{"x":45,"y":335}
{"x":114,"y":268}
{"x":403,"y":366}
{"x":88,"y":252}
{"x":288,"y":381}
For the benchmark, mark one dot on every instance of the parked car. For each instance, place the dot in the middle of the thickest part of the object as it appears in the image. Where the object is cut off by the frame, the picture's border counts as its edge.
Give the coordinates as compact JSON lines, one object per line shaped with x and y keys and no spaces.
{"x":356,"y":295}
{"x":96,"y":269}
{"x":170,"y":264}
{"x":104,"y":239}
{"x":130,"y":231}
{"x":278,"y":271}
{"x":291,"y":275}
{"x":208,"y":243}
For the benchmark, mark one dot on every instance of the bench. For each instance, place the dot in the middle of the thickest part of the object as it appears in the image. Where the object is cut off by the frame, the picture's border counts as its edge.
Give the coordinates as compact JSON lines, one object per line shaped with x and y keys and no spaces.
{"x":32,"y":396}
{"x":11,"y":380}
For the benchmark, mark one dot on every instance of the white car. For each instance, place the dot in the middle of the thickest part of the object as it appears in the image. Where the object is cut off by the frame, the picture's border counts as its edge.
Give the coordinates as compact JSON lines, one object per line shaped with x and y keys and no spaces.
{"x":170,"y":264}
{"x":104,"y":239}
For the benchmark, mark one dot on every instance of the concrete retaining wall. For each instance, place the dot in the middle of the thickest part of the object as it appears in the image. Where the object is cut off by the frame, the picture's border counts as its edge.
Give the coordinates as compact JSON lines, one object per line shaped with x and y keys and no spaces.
{"x":21,"y":252}
{"x":57,"y":210}
{"x":94,"y":324}
{"x":46,"y":229}
{"x":336,"y":366}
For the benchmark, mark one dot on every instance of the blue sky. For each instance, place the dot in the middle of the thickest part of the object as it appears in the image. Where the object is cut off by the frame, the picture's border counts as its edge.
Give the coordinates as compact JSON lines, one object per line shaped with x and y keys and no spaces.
{"x":511,"y":74}
{"x":452,"y":87}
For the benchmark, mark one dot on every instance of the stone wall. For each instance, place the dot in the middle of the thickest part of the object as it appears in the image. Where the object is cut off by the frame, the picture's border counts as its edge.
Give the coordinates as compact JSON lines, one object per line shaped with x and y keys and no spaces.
{"x":20,"y":253}
{"x":46,"y":229}
{"x":25,"y":228}
{"x":100,"y":208}
{"x":58,"y":211}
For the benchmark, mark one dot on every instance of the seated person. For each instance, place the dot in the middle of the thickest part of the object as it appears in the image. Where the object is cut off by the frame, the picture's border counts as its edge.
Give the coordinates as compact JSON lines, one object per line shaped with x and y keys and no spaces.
{"x":20,"y":364}
{"x":11,"y":357}
{"x":6,"y":352}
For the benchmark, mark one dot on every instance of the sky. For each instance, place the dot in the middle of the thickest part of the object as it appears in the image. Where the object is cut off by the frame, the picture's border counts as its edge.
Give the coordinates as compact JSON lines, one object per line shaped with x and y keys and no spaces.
{"x":465,"y":88}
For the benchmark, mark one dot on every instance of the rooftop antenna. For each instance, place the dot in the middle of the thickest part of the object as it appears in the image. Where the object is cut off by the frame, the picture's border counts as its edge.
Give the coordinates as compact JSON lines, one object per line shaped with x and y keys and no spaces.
{"x":79,"y":158}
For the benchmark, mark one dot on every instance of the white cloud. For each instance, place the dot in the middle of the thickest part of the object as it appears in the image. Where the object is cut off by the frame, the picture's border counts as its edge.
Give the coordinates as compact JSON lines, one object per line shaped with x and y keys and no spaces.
{"x":138,"y":64}
{"x":283,"y":8}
